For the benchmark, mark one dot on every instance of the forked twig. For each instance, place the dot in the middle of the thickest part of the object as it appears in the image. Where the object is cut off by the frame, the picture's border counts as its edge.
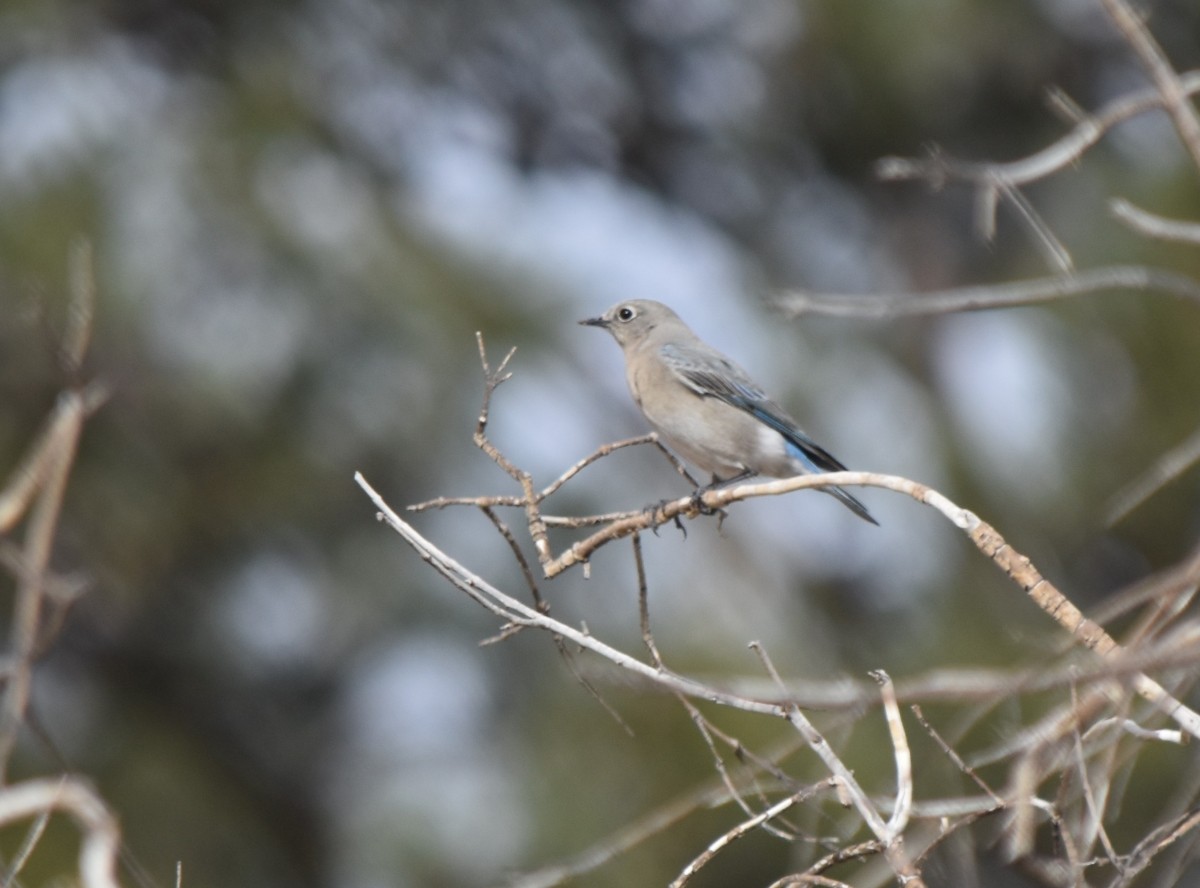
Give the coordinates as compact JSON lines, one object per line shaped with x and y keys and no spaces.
{"x":101,"y":838}
{"x":746,"y":826}
{"x":1169,"y":85}
{"x":846,"y":782}
{"x":36,"y":490}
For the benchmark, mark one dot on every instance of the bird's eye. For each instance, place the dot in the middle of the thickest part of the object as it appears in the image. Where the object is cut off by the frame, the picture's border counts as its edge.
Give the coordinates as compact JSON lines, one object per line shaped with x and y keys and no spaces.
{"x":625,"y":313}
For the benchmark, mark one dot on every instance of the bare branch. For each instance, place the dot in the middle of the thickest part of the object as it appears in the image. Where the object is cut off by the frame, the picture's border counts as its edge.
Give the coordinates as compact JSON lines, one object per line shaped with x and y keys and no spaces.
{"x":985,"y":537}
{"x":32,"y":836}
{"x":31,"y":586}
{"x":1151,"y":225}
{"x":1169,"y":85}
{"x":740,"y":830}
{"x":101,"y":839}
{"x":1084,"y":746}
{"x":1113,"y":278}
{"x":514,"y":611}
{"x":904,"y":776}
{"x":994,"y":181}
{"x":1093,"y":825}
{"x":939,"y":168}
{"x":493,"y":379}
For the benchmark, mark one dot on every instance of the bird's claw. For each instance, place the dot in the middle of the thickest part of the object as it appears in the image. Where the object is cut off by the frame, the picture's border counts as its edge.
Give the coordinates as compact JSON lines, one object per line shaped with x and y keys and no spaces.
{"x":696,"y":503}
{"x":700,"y":505}
{"x":652,"y":511}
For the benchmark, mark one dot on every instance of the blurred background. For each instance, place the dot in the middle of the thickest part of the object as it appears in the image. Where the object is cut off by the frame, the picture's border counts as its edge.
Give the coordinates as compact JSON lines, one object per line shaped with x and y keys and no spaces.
{"x":302,"y":212}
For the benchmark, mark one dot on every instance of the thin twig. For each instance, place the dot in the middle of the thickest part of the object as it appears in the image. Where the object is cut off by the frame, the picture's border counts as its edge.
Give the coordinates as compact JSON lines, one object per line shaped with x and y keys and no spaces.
{"x":956,"y":758}
{"x":593,"y":457}
{"x":1166,"y":469}
{"x":696,"y":716}
{"x":543,"y":607}
{"x":1133,"y":729}
{"x":493,"y":379}
{"x":81,"y":310}
{"x":629,"y":836}
{"x":857,"y":851}
{"x":1053,"y":250}
{"x":1038,"y":758}
{"x":796,"y":880}
{"x":656,"y":658}
{"x":23,"y":634}
{"x":746,"y":826}
{"x":1094,"y":807}
{"x":644,"y":603}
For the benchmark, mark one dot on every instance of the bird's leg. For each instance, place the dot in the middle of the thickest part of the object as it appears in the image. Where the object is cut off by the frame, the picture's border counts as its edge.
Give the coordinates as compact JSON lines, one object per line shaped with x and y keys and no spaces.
{"x":734,"y":479}
{"x":698,"y":497}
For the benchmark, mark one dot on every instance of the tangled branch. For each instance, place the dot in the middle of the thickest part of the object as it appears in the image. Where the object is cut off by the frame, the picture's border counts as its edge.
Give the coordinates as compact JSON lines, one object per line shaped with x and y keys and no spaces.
{"x":1069,"y":735}
{"x":34,"y":493}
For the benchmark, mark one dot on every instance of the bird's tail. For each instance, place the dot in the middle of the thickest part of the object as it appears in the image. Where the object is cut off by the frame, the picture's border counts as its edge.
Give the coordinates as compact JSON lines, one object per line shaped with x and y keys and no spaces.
{"x":850,"y":503}
{"x":817,"y":459}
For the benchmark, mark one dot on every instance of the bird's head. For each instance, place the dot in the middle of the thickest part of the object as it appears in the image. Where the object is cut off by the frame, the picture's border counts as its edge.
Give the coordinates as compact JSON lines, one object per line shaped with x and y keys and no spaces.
{"x":631,"y":322}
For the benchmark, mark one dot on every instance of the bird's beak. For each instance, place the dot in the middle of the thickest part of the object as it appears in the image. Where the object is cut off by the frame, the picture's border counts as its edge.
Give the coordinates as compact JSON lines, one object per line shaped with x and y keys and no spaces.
{"x":594,"y":322}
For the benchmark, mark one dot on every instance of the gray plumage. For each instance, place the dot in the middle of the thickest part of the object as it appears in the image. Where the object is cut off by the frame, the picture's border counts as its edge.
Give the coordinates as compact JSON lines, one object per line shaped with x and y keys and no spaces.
{"x":706,"y":407}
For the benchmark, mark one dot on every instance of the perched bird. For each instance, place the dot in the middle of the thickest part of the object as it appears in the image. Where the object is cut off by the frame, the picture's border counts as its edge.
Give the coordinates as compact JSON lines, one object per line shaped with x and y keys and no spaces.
{"x":706,"y":407}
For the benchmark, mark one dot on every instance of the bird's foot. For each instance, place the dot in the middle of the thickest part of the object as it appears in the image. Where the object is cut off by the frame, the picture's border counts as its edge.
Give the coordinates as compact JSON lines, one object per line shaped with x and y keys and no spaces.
{"x":704,"y":508}
{"x":652,"y":510}
{"x":698,"y":503}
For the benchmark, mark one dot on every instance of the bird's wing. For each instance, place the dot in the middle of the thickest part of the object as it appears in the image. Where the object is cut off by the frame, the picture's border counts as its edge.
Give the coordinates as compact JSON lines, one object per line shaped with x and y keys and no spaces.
{"x":712,"y":375}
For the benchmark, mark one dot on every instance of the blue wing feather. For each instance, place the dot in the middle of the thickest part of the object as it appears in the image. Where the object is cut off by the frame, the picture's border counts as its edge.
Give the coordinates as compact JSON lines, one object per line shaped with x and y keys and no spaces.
{"x":712,"y":375}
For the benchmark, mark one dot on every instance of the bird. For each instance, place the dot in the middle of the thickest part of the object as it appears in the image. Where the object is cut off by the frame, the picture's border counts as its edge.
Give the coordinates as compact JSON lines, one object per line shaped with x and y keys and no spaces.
{"x":706,"y":408}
